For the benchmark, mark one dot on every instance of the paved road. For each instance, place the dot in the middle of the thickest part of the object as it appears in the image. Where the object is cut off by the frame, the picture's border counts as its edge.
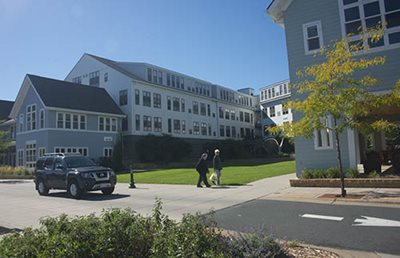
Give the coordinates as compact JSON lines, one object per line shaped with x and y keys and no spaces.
{"x":284,"y":220}
{"x":21,"y":206}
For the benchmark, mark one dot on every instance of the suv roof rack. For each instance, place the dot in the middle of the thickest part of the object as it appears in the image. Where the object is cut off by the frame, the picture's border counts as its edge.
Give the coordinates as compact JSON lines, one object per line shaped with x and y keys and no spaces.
{"x":54,"y":154}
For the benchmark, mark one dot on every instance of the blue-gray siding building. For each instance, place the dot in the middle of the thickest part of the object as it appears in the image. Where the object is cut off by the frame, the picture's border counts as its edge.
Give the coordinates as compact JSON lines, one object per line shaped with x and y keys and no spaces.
{"x":58,"y":116}
{"x":311,"y":24}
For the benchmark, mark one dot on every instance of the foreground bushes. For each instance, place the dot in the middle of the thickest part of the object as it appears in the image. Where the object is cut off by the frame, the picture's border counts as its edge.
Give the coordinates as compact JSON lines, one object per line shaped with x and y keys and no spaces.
{"x":123,"y":233}
{"x":7,"y":172}
{"x":328,"y":173}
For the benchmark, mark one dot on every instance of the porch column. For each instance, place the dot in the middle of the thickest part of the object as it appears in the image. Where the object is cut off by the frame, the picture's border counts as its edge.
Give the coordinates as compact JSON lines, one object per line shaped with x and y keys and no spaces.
{"x":354,"y":153}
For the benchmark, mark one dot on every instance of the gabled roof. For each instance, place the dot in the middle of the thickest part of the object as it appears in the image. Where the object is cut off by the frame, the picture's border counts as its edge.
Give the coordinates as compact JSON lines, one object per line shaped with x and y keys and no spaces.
{"x":115,"y":65}
{"x":67,"y":95}
{"x":276,"y":10}
{"x":5,"y":109}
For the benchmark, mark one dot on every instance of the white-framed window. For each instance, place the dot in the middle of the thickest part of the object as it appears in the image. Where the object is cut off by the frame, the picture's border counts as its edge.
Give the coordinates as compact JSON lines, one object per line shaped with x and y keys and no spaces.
{"x":313,"y":41}
{"x":107,"y":124}
{"x":41,"y":151}
{"x":146,"y":98}
{"x":70,"y":121}
{"x":272,"y":111}
{"x":21,"y":122}
{"x":359,"y":16}
{"x":175,"y":104}
{"x":60,"y":120}
{"x":147,"y":123}
{"x":183,"y":126}
{"x":195,"y":107}
{"x":67,"y":120}
{"x":203,"y":129}
{"x":323,"y":138}
{"x":20,"y":155}
{"x":157,"y":124}
{"x":84,"y":151}
{"x":41,"y":118}
{"x":107,"y":152}
{"x":156,"y":100}
{"x":182,"y":105}
{"x":196,"y":128}
{"x":137,"y":122}
{"x":30,"y":154}
{"x":177,"y":126}
{"x":31,"y":117}
{"x":123,"y":97}
{"x":82,"y":123}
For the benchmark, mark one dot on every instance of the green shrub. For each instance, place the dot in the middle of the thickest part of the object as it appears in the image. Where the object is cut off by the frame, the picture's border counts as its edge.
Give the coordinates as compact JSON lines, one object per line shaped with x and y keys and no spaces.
{"x":8,"y":172}
{"x":332,"y":173}
{"x":373,"y":174}
{"x":124,"y":233}
{"x":352,"y":173}
{"x":319,"y":173}
{"x":307,"y":174}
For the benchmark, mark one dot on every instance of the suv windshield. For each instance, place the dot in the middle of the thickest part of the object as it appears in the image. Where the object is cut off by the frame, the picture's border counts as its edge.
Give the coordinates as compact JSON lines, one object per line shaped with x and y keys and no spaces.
{"x":77,"y":162}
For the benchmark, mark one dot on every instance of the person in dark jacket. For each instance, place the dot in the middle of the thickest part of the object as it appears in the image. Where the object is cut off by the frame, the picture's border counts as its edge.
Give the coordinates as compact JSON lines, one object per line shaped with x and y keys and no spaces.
{"x":202,"y":169}
{"x":217,"y":167}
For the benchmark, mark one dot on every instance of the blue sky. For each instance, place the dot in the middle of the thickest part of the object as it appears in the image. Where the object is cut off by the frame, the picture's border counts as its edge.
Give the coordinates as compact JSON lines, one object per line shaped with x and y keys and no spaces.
{"x":228,"y":42}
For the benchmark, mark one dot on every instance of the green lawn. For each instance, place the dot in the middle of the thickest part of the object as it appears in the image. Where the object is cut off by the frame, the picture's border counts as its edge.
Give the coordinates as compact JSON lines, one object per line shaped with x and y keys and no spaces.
{"x":231,"y":175}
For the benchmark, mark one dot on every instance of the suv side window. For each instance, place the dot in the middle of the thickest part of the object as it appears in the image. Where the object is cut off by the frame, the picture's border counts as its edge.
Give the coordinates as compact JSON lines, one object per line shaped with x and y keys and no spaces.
{"x":40,"y":164}
{"x":48,"y":164}
{"x":58,"y":162}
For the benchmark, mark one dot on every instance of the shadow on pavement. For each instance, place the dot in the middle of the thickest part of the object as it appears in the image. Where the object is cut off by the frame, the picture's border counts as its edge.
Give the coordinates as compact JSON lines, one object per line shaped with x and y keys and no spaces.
{"x":91,"y":196}
{"x":4,"y":230}
{"x":14,"y":181}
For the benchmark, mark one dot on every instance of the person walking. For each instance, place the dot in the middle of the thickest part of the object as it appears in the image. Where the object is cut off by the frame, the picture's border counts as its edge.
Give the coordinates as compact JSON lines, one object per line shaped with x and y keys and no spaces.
{"x":202,"y":169}
{"x":217,"y":167}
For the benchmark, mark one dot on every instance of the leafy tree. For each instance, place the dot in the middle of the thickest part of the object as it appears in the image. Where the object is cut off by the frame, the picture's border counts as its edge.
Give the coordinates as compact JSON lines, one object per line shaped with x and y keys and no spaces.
{"x":334,"y":90}
{"x":279,"y":137}
{"x":4,"y":142}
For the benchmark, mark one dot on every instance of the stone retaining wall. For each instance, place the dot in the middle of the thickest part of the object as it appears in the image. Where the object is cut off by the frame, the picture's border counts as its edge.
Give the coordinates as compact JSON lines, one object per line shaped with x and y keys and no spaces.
{"x":349,"y":182}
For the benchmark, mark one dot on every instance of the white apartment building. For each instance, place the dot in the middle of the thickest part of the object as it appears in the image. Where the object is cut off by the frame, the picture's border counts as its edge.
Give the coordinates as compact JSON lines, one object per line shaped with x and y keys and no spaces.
{"x":272,"y":105}
{"x":160,"y":101}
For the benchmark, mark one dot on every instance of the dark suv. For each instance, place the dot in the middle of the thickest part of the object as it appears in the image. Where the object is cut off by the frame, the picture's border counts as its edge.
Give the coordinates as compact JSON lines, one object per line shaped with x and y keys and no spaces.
{"x":74,"y":173}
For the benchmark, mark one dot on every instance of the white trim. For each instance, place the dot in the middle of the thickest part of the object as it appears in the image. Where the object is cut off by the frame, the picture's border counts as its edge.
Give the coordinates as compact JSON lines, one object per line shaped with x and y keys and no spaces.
{"x":84,"y":112}
{"x":324,"y":140}
{"x":276,"y":10}
{"x":66,"y":130}
{"x":352,"y":145}
{"x":305,"y":37}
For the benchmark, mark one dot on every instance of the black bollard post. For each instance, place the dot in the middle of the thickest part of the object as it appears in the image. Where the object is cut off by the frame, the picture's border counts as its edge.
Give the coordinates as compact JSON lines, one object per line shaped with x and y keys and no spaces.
{"x":132,"y":184}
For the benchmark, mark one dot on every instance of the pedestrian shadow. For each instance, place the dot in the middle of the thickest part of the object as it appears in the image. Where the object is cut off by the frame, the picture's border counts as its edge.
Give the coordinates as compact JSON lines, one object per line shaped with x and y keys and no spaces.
{"x":223,"y":187}
{"x":90,"y":196}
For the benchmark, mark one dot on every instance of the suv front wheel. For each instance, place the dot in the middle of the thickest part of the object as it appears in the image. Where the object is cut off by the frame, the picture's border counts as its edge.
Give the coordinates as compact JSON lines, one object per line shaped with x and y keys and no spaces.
{"x":74,"y":190}
{"x":41,"y":187}
{"x":108,"y":191}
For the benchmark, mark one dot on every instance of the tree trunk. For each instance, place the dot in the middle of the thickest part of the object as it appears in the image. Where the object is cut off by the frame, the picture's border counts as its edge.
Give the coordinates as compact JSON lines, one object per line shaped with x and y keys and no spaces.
{"x":339,"y":161}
